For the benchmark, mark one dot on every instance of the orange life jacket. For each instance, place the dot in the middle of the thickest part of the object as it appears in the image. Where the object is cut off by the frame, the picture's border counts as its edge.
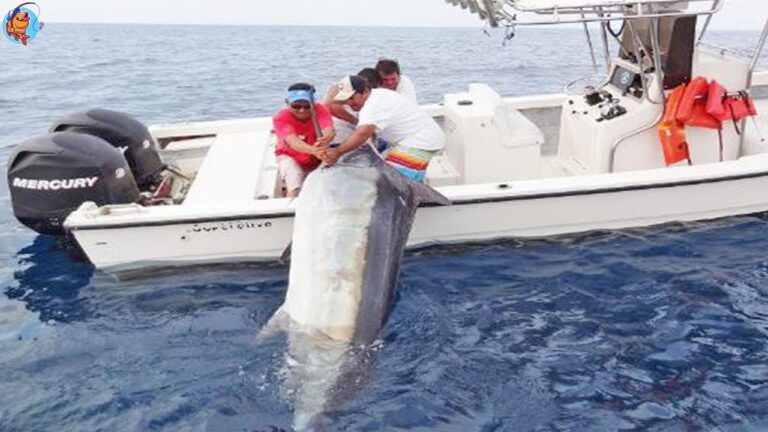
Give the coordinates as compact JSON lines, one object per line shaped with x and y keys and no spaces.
{"x":699,"y":104}
{"x":693,"y":106}
{"x":729,"y":106}
{"x":671,"y":131}
{"x":739,"y":105}
{"x":715,"y":99}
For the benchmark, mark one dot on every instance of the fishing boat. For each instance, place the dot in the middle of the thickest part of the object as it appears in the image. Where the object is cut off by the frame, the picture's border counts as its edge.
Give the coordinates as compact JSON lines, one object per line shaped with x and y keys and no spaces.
{"x":593,"y":157}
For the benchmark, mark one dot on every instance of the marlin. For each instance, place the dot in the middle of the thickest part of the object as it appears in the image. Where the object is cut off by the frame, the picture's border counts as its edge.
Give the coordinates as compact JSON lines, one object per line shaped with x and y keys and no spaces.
{"x":350,"y":231}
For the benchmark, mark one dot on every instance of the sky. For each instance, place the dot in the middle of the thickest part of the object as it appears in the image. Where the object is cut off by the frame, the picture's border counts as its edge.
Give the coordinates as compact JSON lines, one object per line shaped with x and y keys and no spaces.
{"x":738,"y":14}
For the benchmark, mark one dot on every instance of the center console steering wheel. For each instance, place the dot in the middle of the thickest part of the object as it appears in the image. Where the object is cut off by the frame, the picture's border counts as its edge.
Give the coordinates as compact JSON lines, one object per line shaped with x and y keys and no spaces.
{"x":585,"y":85}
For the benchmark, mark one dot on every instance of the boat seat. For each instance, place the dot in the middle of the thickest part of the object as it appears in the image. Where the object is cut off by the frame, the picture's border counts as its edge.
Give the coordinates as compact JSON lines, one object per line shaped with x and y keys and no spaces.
{"x":487,"y":139}
{"x":268,"y":186}
{"x":440,"y":172}
{"x":515,"y":129}
{"x":230,"y":171}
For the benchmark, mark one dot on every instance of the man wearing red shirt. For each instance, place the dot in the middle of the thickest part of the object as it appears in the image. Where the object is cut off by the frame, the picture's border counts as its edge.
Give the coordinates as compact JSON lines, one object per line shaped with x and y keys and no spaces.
{"x":298,"y":146}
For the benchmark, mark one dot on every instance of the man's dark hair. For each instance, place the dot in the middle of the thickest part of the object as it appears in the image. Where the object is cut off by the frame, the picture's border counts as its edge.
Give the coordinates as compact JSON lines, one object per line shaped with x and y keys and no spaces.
{"x":301,"y":86}
{"x":388,"y":66}
{"x":359,"y":84}
{"x":372,"y":76}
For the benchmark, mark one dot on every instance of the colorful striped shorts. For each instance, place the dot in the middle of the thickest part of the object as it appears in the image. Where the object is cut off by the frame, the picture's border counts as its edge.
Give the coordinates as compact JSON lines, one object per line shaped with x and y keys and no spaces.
{"x":411,"y":162}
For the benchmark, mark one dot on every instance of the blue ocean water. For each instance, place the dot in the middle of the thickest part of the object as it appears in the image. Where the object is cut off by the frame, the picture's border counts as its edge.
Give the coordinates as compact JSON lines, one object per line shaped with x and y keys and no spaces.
{"x":660,"y":329}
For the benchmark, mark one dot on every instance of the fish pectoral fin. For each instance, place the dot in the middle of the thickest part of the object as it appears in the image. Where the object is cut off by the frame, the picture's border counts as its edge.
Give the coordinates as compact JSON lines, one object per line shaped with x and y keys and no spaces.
{"x":425,"y":194}
{"x":286,"y":256}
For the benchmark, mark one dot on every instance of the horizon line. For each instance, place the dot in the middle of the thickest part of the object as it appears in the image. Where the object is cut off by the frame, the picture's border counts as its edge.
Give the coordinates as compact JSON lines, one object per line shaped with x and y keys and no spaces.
{"x":479,"y":25}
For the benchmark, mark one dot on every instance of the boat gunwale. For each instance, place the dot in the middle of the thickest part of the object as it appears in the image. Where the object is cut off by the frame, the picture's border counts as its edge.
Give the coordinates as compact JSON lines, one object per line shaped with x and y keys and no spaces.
{"x":454,"y":202}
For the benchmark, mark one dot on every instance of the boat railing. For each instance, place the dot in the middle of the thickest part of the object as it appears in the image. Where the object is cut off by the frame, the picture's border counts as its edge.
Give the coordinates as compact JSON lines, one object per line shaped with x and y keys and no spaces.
{"x":511,"y":13}
{"x":757,"y":53}
{"x":743,"y":53}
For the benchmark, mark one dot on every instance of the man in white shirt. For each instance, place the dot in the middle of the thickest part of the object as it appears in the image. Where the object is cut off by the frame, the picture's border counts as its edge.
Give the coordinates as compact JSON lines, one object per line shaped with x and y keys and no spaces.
{"x":414,"y":136}
{"x":344,"y":118}
{"x":392,"y":79}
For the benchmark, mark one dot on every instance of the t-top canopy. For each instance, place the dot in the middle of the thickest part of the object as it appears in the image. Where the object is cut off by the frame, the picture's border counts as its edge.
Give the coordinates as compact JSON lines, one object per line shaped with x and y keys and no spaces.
{"x":545,"y":5}
{"x":489,"y":10}
{"x":504,"y":12}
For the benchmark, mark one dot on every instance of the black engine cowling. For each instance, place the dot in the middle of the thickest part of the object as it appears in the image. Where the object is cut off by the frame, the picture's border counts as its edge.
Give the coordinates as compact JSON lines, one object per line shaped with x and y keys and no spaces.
{"x":51,"y":175}
{"x":125,"y":133}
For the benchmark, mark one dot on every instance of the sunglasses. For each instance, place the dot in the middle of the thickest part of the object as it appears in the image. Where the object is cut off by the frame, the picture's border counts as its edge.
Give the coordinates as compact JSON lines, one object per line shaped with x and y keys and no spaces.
{"x":300,"y":107}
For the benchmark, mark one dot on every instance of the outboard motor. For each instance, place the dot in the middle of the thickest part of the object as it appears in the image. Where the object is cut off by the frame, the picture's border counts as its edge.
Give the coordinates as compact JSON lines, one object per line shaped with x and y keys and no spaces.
{"x":51,"y":175}
{"x":125,"y":133}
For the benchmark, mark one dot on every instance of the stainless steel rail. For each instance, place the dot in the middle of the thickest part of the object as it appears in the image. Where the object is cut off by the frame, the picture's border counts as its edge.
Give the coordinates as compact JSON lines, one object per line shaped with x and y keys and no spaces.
{"x":757,"y":53}
{"x":655,"y":35}
{"x":752,"y":65}
{"x":659,"y":83}
{"x":505,"y":13}
{"x":591,"y":48}
{"x":706,"y":23}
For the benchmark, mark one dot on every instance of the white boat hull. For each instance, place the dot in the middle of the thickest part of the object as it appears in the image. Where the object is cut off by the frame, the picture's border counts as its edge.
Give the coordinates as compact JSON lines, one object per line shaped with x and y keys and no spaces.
{"x":506,"y":175}
{"x":534,"y":208}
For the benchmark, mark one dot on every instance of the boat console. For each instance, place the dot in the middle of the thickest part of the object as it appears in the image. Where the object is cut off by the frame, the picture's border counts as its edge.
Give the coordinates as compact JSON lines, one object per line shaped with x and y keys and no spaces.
{"x":605,"y":103}
{"x":612,"y":127}
{"x":487,"y":140}
{"x":598,"y":122}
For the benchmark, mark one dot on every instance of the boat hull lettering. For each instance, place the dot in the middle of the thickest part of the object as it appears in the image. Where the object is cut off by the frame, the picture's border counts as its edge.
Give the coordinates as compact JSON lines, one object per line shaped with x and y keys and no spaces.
{"x":229,"y":226}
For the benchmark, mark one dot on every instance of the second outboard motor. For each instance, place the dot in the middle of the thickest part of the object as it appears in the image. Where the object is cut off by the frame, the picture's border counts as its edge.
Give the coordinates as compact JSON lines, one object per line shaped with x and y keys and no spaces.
{"x":125,"y":133}
{"x":51,"y":175}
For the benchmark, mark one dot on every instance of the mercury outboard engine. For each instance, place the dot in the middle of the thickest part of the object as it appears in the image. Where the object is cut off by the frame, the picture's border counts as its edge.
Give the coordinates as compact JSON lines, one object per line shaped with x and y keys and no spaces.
{"x":125,"y":133}
{"x":51,"y":175}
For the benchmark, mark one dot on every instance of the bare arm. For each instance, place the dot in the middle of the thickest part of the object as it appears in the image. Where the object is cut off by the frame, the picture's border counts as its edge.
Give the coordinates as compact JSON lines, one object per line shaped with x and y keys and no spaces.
{"x":337,"y":108}
{"x":326,"y":137}
{"x":300,"y":146}
{"x":338,"y":111}
{"x":357,"y":139}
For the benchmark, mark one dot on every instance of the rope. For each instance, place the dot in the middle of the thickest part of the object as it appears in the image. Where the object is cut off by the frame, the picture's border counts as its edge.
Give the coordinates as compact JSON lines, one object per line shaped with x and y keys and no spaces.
{"x":509,"y":33}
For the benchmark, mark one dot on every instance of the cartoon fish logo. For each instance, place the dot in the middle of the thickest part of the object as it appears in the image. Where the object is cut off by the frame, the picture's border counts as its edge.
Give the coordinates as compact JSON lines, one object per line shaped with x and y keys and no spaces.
{"x":20,"y":24}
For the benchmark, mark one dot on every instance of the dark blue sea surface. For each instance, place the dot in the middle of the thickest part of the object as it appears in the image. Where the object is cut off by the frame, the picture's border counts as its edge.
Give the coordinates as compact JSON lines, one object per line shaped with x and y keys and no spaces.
{"x":657,"y":329}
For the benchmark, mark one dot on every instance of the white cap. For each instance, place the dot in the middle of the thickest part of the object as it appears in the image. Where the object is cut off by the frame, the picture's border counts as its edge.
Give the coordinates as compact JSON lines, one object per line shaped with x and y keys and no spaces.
{"x":349,"y":86}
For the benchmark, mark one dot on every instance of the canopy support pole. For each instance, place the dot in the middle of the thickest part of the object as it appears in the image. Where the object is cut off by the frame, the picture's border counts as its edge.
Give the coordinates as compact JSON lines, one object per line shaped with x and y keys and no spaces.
{"x":756,"y":55}
{"x":752,"y":65}
{"x":606,"y":46}
{"x":659,"y":77}
{"x":657,"y":67}
{"x":638,"y":53}
{"x":591,"y":48}
{"x":716,"y":5}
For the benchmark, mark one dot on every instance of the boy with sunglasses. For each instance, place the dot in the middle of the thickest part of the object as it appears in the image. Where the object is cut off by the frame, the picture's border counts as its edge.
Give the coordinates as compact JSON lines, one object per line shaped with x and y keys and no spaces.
{"x":298,"y":147}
